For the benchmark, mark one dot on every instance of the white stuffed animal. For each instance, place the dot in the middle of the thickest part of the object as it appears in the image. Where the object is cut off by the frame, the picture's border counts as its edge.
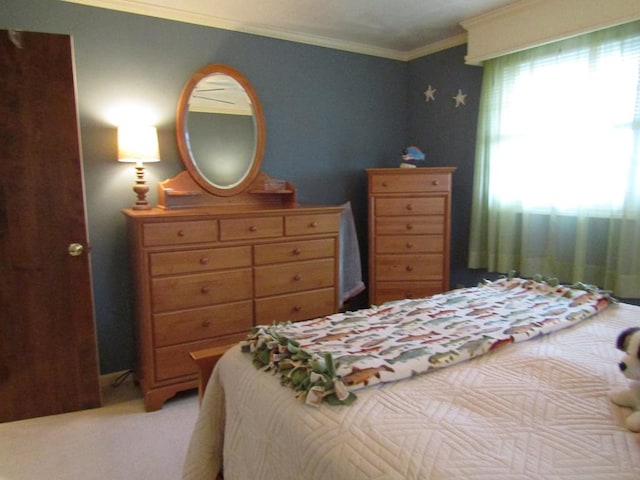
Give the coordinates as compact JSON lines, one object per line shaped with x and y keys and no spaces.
{"x":629,"y":342}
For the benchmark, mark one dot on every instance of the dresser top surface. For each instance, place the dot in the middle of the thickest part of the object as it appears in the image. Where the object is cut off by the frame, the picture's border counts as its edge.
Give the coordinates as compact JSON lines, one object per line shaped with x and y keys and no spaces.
{"x":410,"y":171}
{"x":229,"y":210}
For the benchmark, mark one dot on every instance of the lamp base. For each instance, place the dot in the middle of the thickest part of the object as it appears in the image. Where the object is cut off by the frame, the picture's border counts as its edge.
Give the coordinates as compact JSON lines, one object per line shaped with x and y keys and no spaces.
{"x":137,"y":206}
{"x":141,"y":188}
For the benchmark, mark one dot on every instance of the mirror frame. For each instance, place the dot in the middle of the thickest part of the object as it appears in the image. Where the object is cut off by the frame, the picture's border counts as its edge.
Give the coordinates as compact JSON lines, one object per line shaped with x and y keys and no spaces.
{"x":183,"y":144}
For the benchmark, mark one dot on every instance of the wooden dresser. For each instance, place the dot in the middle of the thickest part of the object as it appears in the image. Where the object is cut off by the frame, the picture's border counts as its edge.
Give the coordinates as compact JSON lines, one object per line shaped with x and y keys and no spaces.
{"x":205,"y":276}
{"x":409,"y":232}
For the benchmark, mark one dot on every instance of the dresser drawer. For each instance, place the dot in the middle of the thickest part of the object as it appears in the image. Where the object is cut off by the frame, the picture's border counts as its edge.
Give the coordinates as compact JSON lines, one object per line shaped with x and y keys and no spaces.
{"x":296,"y":306}
{"x":178,"y":233}
{"x":201,"y":323}
{"x":246,"y":228}
{"x":414,"y":225}
{"x":410,"y":267}
{"x":417,"y":182}
{"x":311,"y":224}
{"x":387,"y":291}
{"x":199,"y":290}
{"x":410,"y":206}
{"x":294,"y":251}
{"x":410,"y":244}
{"x":192,"y":261}
{"x":294,"y":277}
{"x":175,"y":361}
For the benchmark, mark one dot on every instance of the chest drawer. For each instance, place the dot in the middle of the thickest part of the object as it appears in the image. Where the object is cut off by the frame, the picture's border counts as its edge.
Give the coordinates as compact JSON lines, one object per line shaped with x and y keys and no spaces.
{"x":386,"y":291}
{"x":410,"y":244}
{"x":202,"y":289}
{"x":178,"y":233}
{"x":246,"y":228}
{"x":410,"y":267}
{"x":294,"y":251}
{"x":311,"y":224}
{"x":192,"y":261}
{"x":417,"y":182}
{"x":294,"y":277}
{"x":409,"y":225}
{"x":200,"y":323}
{"x":295,"y":307}
{"x":410,"y":206}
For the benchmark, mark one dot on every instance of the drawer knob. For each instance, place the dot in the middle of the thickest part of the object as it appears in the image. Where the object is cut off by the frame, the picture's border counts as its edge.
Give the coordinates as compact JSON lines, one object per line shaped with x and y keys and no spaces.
{"x":409,"y":268}
{"x":297,"y":251}
{"x":181,"y":233}
{"x":409,"y":245}
{"x":313,"y":224}
{"x":204,"y":290}
{"x":297,"y":308}
{"x":409,"y":226}
{"x":204,"y":261}
{"x":297,"y":277}
{"x":435,"y":182}
{"x":253,"y":228}
{"x":206,"y":323}
{"x":409,"y":207}
{"x":385,"y":184}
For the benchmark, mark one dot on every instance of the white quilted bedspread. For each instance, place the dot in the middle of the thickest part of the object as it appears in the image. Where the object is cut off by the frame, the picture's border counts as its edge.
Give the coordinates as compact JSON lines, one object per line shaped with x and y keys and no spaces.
{"x":533,"y":410}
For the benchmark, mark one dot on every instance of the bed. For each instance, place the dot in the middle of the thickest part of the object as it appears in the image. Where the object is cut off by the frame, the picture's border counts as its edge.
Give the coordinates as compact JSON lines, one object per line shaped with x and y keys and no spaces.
{"x":533,"y":406}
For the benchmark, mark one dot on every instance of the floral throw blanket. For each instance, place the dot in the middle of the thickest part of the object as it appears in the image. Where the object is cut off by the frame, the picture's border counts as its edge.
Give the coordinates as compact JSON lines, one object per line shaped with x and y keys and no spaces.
{"x":330,"y":357}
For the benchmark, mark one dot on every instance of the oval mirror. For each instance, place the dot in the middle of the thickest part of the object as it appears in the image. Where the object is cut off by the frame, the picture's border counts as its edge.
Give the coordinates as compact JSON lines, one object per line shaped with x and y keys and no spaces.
{"x":220,"y":130}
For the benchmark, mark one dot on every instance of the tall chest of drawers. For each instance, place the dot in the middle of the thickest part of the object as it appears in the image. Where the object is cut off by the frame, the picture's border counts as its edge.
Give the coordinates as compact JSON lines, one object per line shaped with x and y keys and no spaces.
{"x":409,"y":232}
{"x":205,"y":278}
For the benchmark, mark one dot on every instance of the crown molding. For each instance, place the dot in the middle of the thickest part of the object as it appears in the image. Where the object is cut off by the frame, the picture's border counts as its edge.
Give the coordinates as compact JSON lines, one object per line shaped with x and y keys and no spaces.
{"x":176,"y":13}
{"x":435,"y":47}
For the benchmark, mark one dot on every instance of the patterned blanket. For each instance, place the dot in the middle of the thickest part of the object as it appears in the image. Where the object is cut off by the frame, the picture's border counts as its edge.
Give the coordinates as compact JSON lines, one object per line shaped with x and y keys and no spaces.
{"x":330,"y":357}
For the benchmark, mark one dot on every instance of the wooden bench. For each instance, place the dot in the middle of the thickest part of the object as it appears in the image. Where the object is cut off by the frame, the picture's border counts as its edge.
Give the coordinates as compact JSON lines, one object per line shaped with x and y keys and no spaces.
{"x":206,"y":360}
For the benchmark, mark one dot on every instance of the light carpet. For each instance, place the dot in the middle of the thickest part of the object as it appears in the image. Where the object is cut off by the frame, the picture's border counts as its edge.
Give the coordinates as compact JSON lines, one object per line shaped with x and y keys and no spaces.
{"x":119,"y":441}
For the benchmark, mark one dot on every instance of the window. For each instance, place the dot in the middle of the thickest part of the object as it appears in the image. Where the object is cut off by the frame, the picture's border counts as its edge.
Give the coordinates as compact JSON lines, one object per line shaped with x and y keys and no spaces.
{"x":559,"y":144}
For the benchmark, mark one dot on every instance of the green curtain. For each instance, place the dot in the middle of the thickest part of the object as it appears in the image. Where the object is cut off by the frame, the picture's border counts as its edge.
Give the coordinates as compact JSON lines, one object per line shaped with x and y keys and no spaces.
{"x":557,"y":172}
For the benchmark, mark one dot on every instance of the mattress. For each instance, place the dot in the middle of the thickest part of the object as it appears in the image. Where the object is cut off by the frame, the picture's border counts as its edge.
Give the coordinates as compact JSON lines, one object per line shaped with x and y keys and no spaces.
{"x":535,"y":409}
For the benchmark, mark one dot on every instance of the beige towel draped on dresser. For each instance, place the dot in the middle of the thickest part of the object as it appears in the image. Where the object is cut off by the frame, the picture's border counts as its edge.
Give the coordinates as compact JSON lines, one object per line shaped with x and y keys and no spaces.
{"x":351,"y":283}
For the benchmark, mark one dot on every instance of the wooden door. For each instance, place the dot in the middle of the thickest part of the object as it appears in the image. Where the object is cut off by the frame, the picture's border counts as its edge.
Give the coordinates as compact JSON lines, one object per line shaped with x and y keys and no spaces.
{"x":48,"y":352}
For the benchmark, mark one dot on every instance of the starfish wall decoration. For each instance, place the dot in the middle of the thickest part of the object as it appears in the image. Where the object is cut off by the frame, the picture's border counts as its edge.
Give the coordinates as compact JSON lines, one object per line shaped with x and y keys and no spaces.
{"x":429,"y":93}
{"x":460,"y":98}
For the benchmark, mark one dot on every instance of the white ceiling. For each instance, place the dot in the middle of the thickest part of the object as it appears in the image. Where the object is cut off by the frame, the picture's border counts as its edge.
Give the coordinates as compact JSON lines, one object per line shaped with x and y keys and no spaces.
{"x":400,"y":29}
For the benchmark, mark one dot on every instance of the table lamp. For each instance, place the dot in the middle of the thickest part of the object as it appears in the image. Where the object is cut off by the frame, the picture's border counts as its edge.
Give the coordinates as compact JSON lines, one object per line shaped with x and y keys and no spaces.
{"x":139,"y":145}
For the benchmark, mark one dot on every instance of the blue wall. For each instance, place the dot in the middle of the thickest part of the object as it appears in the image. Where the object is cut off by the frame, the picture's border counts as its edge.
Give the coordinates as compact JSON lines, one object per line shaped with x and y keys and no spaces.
{"x":329,"y":115}
{"x":448,"y":136}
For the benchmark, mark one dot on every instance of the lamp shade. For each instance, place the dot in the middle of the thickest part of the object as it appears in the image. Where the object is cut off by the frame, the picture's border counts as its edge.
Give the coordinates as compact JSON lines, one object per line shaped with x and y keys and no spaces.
{"x":138,"y":144}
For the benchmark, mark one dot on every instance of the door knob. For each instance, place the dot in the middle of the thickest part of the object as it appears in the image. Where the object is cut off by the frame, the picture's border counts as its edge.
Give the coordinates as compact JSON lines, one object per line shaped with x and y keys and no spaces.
{"x":75,"y":249}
